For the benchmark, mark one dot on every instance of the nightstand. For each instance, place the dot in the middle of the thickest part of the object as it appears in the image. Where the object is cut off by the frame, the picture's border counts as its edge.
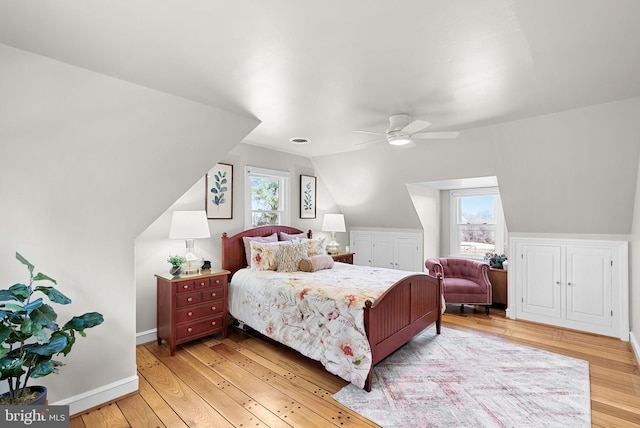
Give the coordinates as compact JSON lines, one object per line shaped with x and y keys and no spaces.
{"x":343,"y":257}
{"x":190,"y":307}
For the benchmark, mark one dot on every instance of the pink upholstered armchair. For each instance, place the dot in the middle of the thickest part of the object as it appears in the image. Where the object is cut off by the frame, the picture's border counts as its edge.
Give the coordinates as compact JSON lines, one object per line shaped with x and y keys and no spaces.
{"x":466,"y":282}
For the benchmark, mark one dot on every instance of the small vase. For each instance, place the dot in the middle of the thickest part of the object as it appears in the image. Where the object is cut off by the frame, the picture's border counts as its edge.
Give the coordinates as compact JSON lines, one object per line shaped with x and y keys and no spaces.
{"x":175,"y":270}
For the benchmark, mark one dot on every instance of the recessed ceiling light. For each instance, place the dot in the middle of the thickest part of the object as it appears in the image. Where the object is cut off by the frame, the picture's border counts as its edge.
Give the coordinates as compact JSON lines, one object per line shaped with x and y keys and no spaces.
{"x":299,"y":140}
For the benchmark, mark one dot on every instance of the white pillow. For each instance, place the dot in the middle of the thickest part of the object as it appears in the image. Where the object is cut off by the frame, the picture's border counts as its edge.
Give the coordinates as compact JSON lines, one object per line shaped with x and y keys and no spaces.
{"x":247,"y":243}
{"x":263,"y":255}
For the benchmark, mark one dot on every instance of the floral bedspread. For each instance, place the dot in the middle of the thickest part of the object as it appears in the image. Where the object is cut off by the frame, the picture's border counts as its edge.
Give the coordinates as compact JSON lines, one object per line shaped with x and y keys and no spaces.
{"x":320,"y":314}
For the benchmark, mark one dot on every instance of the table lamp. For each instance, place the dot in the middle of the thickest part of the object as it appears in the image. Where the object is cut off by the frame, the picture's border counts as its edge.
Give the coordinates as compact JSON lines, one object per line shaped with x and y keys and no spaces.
{"x":190,"y":225}
{"x":333,"y":223}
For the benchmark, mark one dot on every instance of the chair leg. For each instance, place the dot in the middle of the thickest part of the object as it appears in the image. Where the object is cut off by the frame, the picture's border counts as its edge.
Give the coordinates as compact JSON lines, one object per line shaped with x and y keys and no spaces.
{"x":486,"y":310}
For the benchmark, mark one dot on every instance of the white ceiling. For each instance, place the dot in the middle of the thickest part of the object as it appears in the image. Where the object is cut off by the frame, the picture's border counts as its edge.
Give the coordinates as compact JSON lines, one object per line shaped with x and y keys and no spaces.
{"x":322,"y":69}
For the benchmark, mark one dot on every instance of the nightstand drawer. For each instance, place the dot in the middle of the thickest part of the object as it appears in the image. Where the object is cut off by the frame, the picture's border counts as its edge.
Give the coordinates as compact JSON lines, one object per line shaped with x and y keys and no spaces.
{"x":187,"y":299}
{"x":184,"y":286}
{"x":201,"y":311}
{"x":343,"y":258}
{"x":205,"y":326}
{"x":213,"y":293}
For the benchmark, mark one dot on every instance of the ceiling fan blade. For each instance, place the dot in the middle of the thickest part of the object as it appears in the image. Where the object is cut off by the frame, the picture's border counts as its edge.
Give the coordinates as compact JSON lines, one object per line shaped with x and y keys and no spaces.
{"x":436,"y":135}
{"x":366,"y":143}
{"x":415,"y":126}
{"x":371,"y":132}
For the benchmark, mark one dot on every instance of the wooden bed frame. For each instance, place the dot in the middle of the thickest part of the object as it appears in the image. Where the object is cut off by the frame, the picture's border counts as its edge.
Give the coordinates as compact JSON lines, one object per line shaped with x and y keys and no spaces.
{"x":403,"y":311}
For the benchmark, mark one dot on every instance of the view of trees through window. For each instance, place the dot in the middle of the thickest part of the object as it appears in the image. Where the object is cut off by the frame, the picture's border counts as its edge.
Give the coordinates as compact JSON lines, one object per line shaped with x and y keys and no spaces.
{"x":265,"y":201}
{"x":477,"y":225}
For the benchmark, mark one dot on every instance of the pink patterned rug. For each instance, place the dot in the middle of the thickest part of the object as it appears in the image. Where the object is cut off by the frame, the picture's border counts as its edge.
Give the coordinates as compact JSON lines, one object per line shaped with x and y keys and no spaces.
{"x":468,"y":379}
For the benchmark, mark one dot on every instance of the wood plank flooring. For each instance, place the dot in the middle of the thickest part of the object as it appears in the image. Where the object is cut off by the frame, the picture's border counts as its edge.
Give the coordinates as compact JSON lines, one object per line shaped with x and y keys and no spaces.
{"x":247,"y":381}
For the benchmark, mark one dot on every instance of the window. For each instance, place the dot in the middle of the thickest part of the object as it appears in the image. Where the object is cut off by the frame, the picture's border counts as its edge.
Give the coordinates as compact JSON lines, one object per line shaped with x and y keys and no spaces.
{"x":477,"y":222}
{"x":267,"y":197}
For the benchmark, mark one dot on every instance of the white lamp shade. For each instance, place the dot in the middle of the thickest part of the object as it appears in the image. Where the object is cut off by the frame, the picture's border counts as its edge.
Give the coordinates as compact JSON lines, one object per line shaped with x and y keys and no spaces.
{"x":333,"y":223}
{"x":189,"y":225}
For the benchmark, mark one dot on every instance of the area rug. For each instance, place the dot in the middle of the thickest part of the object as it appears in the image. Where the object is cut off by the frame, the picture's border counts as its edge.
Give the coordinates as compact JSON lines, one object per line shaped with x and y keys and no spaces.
{"x":468,"y":379}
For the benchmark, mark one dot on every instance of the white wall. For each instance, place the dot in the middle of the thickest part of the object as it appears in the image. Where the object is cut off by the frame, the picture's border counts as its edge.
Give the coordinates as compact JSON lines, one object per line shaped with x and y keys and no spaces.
{"x":87,"y":164}
{"x":634,"y":273}
{"x":153,"y":245}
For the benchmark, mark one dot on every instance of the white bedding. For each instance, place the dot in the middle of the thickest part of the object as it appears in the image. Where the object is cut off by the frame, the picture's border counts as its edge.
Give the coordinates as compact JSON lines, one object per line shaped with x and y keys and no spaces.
{"x":320,"y":314}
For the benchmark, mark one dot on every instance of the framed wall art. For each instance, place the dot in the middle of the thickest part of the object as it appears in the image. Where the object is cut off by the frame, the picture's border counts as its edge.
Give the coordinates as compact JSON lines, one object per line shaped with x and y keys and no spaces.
{"x":307,"y":196}
{"x":219,"y":190}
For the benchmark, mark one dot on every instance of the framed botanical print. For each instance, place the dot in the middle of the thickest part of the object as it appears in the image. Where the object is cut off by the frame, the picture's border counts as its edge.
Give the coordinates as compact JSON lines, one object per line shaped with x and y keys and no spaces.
{"x":219,"y":191}
{"x":307,"y":196}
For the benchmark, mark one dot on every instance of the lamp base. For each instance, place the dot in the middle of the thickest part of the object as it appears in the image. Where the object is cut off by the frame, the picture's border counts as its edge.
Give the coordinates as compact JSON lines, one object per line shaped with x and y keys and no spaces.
{"x":193,"y":262}
{"x":333,"y":248}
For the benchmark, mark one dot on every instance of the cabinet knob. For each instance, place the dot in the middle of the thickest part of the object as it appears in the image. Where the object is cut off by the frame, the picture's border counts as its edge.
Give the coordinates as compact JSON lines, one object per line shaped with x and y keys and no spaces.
{"x":190,"y":299}
{"x":189,"y":329}
{"x":217,"y":281}
{"x":202,"y":283}
{"x":185,"y":286}
{"x":213,"y":294}
{"x":213,"y":323}
{"x":213,"y":308}
{"x":569,"y":284}
{"x":558,"y":282}
{"x":190,"y":314}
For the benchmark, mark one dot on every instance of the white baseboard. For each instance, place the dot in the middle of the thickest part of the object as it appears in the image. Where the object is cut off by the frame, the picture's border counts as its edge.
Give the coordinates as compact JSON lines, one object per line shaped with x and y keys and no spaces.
{"x":98,"y":396}
{"x":635,"y":345}
{"x":146,"y":336}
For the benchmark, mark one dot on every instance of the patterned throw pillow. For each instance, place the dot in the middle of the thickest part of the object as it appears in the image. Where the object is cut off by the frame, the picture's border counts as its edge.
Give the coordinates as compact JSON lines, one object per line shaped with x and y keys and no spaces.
{"x":247,"y":243}
{"x":289,"y":256}
{"x":263,"y":255}
{"x":314,"y":247}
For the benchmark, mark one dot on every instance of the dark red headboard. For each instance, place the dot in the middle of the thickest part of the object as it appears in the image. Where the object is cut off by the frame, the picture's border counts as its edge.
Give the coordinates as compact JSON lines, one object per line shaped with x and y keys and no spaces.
{"x":233,"y":254}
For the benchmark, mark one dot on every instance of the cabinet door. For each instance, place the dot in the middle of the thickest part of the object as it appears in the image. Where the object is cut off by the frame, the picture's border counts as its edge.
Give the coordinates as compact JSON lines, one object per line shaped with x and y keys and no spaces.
{"x":541,"y":280}
{"x":383,"y":252}
{"x":589,"y":285}
{"x":361,"y":244}
{"x":405,"y":251}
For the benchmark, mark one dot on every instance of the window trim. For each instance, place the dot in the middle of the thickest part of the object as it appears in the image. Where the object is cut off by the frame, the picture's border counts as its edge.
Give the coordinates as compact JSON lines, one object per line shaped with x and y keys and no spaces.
{"x":284,"y":177}
{"x":501,"y":227}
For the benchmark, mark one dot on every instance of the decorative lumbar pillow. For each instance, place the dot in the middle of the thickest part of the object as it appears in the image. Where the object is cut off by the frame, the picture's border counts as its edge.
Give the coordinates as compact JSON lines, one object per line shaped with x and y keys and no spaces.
{"x":289,"y":256}
{"x":247,"y":243}
{"x":292,"y":237}
{"x":314,"y":247}
{"x":316,"y":263}
{"x":263,"y":255}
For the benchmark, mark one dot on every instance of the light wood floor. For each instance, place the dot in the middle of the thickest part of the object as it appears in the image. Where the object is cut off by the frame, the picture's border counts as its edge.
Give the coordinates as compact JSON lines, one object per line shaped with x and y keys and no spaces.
{"x":245,"y":381}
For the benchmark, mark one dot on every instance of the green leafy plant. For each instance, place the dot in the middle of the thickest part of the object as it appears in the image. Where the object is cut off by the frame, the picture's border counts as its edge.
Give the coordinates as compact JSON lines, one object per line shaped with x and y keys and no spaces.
{"x":30,"y":335}
{"x":176,"y":260}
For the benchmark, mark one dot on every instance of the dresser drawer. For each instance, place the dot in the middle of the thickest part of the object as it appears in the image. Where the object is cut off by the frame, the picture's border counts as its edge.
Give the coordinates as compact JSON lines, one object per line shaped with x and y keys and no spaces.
{"x":213,"y":293}
{"x":202,"y":327}
{"x":200,"y":311}
{"x":187,"y":299}
{"x":184,"y":286}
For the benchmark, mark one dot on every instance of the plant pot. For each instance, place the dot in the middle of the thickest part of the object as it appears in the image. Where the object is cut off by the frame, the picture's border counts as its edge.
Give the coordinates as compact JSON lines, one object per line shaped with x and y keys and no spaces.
{"x":39,"y":400}
{"x":175,"y":270}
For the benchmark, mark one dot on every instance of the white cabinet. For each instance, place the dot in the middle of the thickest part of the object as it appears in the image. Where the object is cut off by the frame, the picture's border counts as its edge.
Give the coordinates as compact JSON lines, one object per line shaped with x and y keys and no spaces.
{"x":387,"y":248}
{"x":571,"y":283}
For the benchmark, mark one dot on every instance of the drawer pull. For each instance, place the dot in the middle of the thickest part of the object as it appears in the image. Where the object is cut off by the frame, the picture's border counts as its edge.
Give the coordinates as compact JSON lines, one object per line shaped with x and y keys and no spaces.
{"x":190,"y":314}
{"x":217,"y":281}
{"x":202,"y":284}
{"x":185,"y":286}
{"x":213,"y":323}
{"x":190,"y":299}
{"x":189,"y":329}
{"x":213,"y":308}
{"x":213,"y":294}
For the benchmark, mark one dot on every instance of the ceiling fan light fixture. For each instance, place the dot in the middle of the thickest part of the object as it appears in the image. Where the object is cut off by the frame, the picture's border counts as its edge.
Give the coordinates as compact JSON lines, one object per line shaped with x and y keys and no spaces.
{"x":399,"y":140}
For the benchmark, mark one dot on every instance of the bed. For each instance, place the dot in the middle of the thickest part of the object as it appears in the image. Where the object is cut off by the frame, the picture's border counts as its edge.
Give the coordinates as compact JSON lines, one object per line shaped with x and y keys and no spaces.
{"x":402,"y":305}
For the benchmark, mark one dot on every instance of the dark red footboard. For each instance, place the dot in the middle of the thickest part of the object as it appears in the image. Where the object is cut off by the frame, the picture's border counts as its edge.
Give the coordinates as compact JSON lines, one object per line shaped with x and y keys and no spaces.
{"x":408,"y":307}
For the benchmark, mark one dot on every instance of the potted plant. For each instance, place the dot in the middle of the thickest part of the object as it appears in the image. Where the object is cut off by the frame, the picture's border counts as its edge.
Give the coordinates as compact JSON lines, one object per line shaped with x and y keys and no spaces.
{"x":30,"y":336}
{"x":176,"y":264}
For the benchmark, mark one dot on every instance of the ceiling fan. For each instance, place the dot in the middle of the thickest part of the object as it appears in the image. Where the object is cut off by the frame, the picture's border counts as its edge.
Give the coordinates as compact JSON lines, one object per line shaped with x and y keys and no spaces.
{"x":402,"y":130}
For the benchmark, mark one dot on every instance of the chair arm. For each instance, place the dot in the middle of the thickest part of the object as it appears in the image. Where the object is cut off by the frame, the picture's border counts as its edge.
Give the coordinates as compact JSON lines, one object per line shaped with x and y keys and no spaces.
{"x":434,"y":266}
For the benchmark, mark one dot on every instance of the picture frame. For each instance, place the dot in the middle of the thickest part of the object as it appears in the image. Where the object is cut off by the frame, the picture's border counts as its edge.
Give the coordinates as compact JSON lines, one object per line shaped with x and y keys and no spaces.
{"x":308,"y":189}
{"x":219,"y":192}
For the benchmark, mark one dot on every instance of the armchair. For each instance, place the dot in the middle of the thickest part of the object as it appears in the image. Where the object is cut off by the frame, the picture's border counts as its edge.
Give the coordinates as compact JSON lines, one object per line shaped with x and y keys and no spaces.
{"x":466,"y":282}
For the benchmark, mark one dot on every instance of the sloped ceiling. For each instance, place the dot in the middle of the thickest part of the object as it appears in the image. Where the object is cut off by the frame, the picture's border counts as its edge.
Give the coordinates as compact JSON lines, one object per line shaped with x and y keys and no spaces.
{"x":324,"y":69}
